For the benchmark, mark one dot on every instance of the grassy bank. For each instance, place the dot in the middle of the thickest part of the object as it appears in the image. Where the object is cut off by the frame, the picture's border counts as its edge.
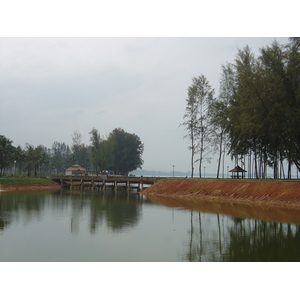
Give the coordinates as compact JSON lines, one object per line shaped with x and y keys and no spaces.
{"x":23,"y":180}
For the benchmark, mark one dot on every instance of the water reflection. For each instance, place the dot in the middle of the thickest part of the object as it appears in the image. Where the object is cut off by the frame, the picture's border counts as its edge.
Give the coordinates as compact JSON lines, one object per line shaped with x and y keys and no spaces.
{"x":32,"y":204}
{"x":120,"y":226}
{"x":268,"y":213}
{"x":117,"y":210}
{"x":241,"y":240}
{"x":256,"y":240}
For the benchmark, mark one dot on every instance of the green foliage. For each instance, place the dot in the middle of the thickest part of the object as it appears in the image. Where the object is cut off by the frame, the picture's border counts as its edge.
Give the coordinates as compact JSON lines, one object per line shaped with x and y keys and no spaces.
{"x":99,"y":151}
{"x":61,"y":158}
{"x":263,"y":117}
{"x":257,"y":113}
{"x":126,"y":151}
{"x":80,"y":152}
{"x":6,"y":153}
{"x":200,"y":97}
{"x":121,"y":152}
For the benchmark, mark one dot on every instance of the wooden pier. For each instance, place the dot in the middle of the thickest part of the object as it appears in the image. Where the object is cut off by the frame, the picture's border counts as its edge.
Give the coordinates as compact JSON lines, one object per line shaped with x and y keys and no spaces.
{"x":104,"y":182}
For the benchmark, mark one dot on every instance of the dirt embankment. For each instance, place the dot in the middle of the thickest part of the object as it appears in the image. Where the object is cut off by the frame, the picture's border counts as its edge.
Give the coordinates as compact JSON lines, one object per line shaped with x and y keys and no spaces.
{"x":260,"y":192}
{"x":29,"y":187}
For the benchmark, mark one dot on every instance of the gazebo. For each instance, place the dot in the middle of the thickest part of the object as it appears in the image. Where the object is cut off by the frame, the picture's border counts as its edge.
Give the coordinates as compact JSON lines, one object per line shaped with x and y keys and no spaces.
{"x":237,"y":170}
{"x":75,"y":170}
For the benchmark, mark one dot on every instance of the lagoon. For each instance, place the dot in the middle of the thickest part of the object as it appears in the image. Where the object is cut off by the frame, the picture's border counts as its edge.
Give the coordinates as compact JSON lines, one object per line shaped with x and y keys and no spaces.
{"x":120,"y":226}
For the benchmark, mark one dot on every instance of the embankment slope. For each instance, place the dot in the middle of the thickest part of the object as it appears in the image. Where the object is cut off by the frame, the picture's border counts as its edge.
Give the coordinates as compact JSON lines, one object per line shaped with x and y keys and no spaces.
{"x":22,"y":187}
{"x":262,"y":192}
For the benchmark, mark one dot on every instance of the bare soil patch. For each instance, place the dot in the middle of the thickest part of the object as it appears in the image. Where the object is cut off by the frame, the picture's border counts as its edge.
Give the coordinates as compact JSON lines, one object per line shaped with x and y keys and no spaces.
{"x":28,"y":187}
{"x":259,"y":192}
{"x":260,"y":199}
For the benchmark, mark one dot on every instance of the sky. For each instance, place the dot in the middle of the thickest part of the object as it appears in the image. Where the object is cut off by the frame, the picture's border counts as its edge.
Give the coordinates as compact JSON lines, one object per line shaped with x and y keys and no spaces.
{"x":50,"y":87}
{"x":128,"y":70}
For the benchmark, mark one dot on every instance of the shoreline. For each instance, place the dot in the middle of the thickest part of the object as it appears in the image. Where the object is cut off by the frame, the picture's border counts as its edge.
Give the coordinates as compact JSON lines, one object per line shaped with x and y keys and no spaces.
{"x":260,"y":199}
{"x":273,"y":193}
{"x":23,"y":187}
{"x":274,"y":200}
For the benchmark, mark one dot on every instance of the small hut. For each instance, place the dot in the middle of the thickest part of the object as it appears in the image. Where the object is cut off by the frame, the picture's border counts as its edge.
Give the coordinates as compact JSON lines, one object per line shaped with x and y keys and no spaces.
{"x":237,"y":170}
{"x":75,"y":170}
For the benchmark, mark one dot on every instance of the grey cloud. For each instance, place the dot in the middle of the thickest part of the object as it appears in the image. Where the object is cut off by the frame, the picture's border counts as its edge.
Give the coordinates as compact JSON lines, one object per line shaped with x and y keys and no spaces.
{"x":53,"y":86}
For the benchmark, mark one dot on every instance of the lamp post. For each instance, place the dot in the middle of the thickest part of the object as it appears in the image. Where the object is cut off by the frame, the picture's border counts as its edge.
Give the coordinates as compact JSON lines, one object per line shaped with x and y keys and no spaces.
{"x":227,"y":171}
{"x":173,"y":170}
{"x":204,"y":171}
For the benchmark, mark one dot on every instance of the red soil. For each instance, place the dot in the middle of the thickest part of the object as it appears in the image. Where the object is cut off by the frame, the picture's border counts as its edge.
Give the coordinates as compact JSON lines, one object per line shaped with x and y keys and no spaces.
{"x":263,"y":192}
{"x":260,"y":199}
{"x":29,"y":187}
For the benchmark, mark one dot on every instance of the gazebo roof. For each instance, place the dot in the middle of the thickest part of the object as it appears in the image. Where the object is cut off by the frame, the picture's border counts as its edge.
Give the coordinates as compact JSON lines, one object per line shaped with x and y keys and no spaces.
{"x":238,"y":169}
{"x":75,"y":168}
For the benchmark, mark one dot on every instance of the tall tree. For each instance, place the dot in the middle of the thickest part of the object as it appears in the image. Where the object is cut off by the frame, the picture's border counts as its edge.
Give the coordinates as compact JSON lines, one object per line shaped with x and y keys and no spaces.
{"x":205,"y":98}
{"x":281,"y":65}
{"x":30,"y":158}
{"x":192,"y":122}
{"x":218,"y":113}
{"x":60,"y":157}
{"x":200,"y":97}
{"x":263,"y":118}
{"x":100,"y":150}
{"x":127,"y":150}
{"x":247,"y":109}
{"x":293,"y":73}
{"x":95,"y":149}
{"x":218,"y":130}
{"x":19,"y":158}
{"x":81,"y":153}
{"x":6,"y":153}
{"x":40,"y":158}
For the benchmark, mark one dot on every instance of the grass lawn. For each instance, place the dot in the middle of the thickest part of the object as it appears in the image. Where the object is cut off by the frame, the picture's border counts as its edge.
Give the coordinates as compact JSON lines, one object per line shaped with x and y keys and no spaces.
{"x":21,"y":180}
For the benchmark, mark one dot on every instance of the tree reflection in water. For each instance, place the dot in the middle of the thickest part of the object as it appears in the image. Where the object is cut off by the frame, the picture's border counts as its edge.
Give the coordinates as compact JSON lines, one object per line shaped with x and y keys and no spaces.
{"x":11,"y":203}
{"x":263,"y":241}
{"x":242,"y":240}
{"x":118,"y":211}
{"x":79,"y":223}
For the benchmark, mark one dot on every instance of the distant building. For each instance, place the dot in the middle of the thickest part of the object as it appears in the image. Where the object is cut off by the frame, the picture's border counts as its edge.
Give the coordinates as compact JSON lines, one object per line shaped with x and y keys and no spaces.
{"x":75,"y":170}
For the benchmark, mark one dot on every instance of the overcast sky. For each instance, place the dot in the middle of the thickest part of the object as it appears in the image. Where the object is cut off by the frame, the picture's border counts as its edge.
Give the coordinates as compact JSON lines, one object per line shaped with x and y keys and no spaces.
{"x":50,"y":87}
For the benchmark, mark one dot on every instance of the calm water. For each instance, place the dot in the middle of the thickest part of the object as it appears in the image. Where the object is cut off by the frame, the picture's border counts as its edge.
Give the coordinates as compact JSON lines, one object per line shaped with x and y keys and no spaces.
{"x":119,"y":226}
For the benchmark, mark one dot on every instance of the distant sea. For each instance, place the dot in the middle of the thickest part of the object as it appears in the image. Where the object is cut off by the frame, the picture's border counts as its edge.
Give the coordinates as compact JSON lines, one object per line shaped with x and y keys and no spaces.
{"x":168,"y":174}
{"x":188,"y":174}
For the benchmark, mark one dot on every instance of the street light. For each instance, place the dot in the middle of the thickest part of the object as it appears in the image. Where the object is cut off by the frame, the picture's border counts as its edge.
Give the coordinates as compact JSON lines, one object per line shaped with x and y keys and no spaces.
{"x":173,"y":170}
{"x":204,"y":171}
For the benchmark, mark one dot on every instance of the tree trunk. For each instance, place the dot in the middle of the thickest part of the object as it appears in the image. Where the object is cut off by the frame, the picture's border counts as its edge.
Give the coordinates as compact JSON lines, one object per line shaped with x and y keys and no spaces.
{"x":255,"y":161}
{"x":220,"y":155}
{"x":192,"y":162}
